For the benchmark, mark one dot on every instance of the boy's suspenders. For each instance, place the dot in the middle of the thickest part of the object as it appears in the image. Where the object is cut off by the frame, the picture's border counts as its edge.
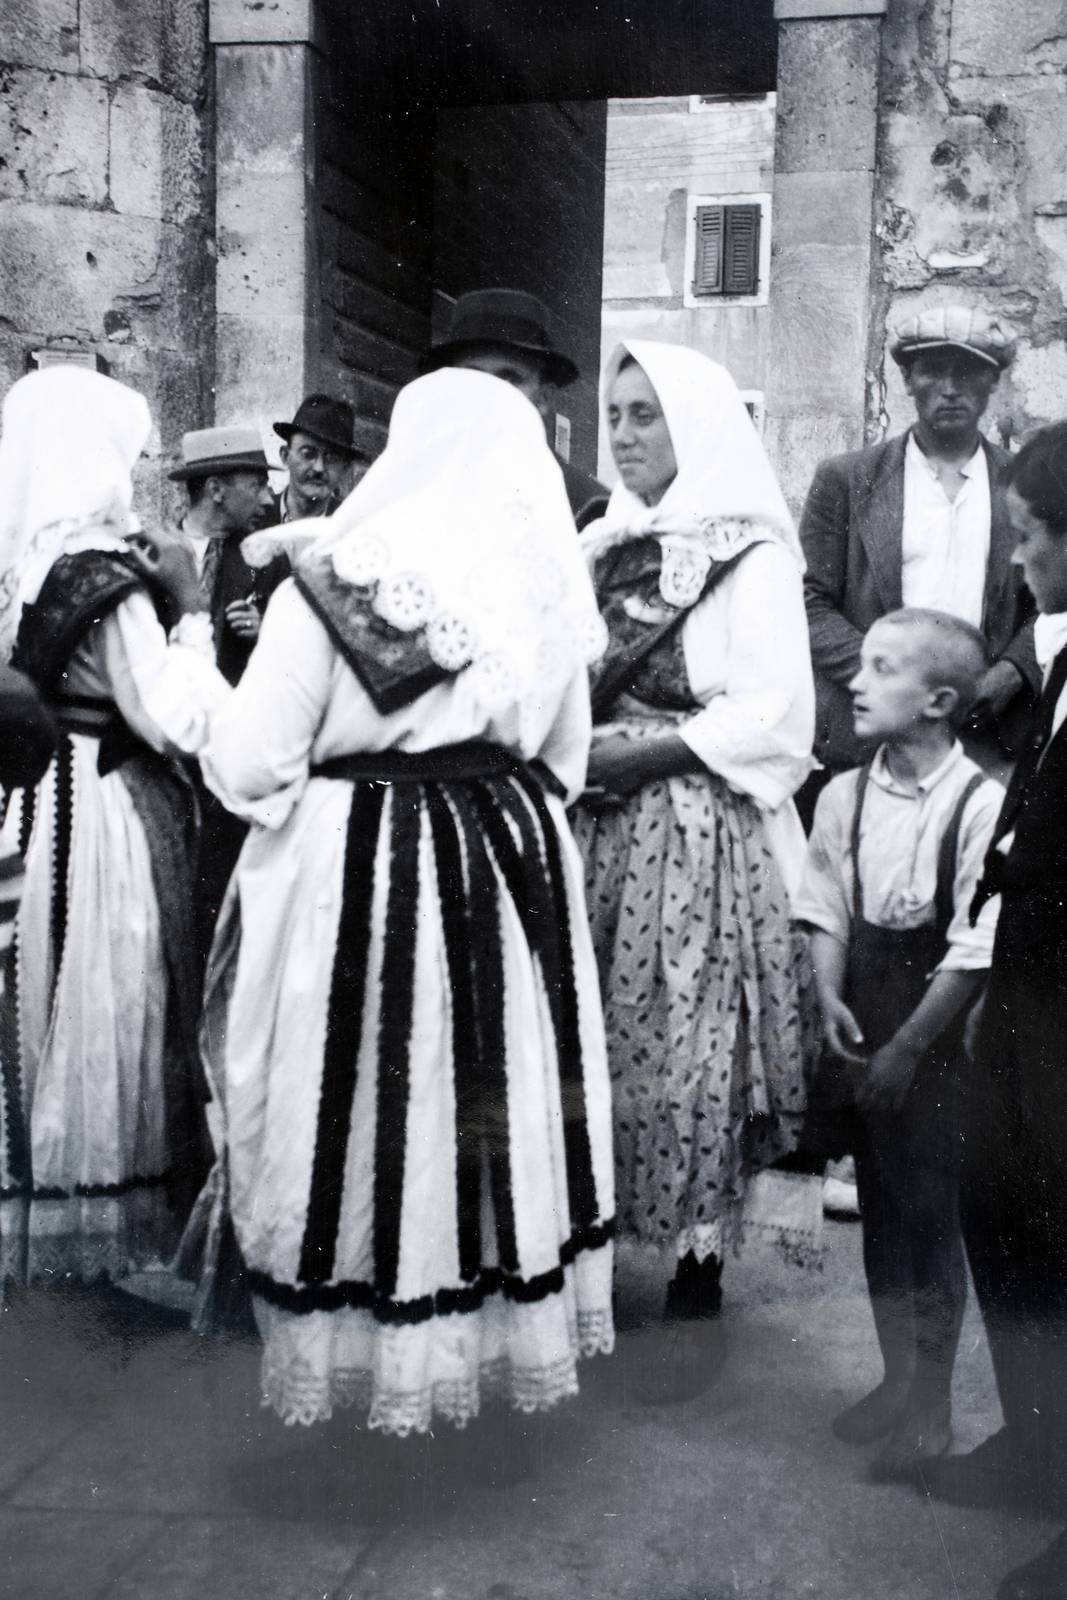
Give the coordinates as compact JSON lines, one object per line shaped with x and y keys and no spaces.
{"x":944,"y":893}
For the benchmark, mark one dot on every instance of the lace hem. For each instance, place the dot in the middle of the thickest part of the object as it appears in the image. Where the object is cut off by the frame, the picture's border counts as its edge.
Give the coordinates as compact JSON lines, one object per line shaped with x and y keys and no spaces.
{"x":299,"y":1395}
{"x":596,"y":1333}
{"x":703,"y":1240}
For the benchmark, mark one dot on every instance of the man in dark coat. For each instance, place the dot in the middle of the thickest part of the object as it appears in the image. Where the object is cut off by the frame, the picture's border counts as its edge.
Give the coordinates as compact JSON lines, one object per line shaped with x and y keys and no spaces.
{"x":225,"y":472}
{"x":1014,"y":1190}
{"x":322,"y":459}
{"x":921,"y":521}
{"x":508,"y":333}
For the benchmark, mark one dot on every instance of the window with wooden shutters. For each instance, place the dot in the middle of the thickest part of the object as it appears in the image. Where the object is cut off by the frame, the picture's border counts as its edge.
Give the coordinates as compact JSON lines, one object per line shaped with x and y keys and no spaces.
{"x":726,"y":255}
{"x":741,"y":253}
{"x":707,"y":266}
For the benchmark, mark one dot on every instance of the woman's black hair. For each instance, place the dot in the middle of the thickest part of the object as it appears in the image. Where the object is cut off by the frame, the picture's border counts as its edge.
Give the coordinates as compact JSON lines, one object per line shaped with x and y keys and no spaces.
{"x":628,"y":360}
{"x":1038,"y":474}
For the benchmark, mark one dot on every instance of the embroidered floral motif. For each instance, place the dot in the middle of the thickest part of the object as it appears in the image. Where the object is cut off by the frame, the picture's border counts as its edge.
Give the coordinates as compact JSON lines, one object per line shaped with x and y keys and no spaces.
{"x":405,"y":601}
{"x":361,"y":561}
{"x":450,"y":641}
{"x":683,"y":571}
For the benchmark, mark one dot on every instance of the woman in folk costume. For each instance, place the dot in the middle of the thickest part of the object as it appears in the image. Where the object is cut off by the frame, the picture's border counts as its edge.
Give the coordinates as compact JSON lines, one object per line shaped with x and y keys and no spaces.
{"x":103,"y":1139}
{"x":704,"y":713}
{"x":402,"y":1012}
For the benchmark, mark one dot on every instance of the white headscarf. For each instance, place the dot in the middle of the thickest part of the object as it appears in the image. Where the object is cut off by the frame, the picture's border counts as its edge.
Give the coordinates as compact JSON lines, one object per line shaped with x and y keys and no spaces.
{"x":725,"y":495}
{"x":462,"y":527}
{"x":69,"y":443}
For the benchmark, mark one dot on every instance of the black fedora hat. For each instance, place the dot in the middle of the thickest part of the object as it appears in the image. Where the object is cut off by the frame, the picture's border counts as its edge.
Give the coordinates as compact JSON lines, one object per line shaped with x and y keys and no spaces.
{"x":502,"y":316}
{"x":330,"y":421}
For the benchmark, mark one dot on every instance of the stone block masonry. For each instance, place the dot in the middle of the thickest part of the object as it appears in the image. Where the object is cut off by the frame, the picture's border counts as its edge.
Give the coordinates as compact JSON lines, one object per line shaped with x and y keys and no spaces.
{"x":106,"y":203}
{"x":971,"y":194}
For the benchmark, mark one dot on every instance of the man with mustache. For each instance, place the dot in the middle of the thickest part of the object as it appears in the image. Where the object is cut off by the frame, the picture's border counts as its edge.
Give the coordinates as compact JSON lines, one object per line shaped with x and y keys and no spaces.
{"x":920,"y":521}
{"x":321,"y":458}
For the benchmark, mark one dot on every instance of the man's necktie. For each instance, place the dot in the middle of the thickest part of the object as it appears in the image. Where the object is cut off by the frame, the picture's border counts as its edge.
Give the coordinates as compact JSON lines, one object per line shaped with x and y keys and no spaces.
{"x":210,"y":576}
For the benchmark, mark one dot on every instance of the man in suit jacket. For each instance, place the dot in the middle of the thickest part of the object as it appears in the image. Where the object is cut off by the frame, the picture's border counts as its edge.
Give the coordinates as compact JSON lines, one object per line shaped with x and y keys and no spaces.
{"x":225,"y":472}
{"x":921,"y":521}
{"x":1014,"y":1179}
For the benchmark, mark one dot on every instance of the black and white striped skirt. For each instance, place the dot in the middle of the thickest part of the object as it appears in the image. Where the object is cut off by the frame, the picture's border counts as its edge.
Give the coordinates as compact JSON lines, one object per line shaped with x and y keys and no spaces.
{"x":404,"y":1026}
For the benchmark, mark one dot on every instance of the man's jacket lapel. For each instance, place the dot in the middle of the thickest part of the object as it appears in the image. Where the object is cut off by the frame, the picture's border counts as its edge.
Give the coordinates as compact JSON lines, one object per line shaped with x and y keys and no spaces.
{"x":879,"y":521}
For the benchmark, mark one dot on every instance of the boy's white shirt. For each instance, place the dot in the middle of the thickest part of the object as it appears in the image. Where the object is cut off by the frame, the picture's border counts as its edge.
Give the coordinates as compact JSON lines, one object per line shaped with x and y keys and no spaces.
{"x":900,"y":840}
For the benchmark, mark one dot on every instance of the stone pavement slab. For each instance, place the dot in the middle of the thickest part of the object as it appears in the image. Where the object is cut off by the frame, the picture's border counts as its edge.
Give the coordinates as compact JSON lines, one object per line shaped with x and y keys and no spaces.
{"x":149,"y":1470}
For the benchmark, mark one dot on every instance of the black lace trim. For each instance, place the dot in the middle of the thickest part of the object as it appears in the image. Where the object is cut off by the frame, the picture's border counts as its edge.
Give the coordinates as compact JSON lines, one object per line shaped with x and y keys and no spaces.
{"x":29,"y":811}
{"x":84,"y":1191}
{"x":77,"y":593}
{"x":64,"y":802}
{"x":361,"y":1296}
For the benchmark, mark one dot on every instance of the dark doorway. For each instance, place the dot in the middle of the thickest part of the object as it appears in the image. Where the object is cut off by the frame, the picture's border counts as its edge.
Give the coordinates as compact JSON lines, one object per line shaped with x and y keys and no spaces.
{"x":519,"y":188}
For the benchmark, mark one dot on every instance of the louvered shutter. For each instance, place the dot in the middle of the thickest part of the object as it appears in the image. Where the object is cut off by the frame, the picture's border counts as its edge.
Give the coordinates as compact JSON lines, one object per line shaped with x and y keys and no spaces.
{"x":741,"y":255}
{"x":707,"y":265}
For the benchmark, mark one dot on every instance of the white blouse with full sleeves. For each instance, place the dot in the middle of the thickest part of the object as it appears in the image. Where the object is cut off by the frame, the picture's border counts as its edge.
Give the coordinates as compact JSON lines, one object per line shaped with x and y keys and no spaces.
{"x":299,"y":704}
{"x":749,"y":665}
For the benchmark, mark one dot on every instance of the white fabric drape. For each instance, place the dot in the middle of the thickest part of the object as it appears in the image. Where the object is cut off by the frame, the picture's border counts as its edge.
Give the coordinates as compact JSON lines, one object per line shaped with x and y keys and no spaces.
{"x":462,"y":528}
{"x":69,"y":443}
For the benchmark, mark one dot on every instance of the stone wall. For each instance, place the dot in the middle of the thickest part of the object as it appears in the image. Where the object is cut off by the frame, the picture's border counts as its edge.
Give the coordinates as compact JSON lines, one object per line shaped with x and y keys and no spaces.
{"x":971,"y":200}
{"x":105,"y":209}
{"x":828,"y":73}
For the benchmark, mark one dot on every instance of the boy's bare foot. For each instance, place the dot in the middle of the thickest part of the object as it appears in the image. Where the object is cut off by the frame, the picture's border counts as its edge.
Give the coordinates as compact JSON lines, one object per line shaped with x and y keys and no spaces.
{"x":921,"y":1434}
{"x":875,"y":1415}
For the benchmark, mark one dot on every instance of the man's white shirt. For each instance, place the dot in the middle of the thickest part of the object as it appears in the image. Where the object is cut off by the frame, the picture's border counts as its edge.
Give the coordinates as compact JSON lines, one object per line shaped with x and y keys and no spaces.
{"x":945,"y":543}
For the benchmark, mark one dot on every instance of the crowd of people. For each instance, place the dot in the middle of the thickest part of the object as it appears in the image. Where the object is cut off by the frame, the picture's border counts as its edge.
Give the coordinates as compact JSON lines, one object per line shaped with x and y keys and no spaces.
{"x":417,"y":893}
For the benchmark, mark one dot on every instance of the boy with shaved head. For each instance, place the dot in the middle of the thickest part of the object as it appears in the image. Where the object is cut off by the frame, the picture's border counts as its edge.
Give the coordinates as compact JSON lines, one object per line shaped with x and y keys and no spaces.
{"x":893,"y":860}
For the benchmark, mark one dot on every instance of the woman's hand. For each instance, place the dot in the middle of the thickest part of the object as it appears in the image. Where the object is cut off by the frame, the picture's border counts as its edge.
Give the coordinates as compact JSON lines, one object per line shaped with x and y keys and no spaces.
{"x":619,"y":766}
{"x":615,"y":766}
{"x":167,"y":559}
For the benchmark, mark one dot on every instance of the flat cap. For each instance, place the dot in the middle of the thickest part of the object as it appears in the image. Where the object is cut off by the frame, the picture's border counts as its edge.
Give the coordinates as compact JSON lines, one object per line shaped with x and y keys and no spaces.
{"x":957,"y":328}
{"x":208,"y":450}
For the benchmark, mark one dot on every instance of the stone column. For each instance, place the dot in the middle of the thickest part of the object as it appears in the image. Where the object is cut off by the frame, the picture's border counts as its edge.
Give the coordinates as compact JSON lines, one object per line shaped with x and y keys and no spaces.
{"x":828,"y":62}
{"x":267,"y":278}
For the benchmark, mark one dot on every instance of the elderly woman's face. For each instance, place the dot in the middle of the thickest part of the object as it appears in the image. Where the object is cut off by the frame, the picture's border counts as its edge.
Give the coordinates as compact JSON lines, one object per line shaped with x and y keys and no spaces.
{"x":640,"y":438}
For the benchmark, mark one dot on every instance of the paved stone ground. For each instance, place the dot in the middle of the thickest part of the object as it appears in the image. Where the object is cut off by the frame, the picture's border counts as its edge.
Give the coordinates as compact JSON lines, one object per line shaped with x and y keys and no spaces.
{"x":156,"y":1474}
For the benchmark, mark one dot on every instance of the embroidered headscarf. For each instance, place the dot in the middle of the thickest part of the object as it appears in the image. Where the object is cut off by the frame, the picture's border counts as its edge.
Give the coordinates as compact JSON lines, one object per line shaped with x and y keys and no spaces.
{"x":69,"y":444}
{"x":725,"y":495}
{"x":459,"y":538}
